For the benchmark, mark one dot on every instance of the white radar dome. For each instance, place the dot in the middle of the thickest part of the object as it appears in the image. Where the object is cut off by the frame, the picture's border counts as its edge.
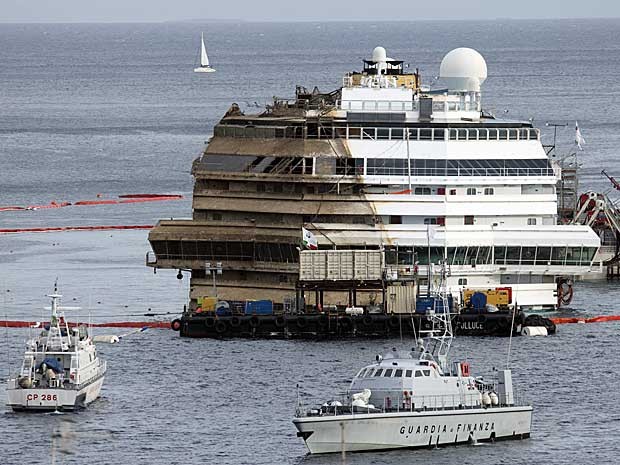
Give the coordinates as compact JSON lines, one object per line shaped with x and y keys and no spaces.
{"x":379,"y":54}
{"x":464,"y":69}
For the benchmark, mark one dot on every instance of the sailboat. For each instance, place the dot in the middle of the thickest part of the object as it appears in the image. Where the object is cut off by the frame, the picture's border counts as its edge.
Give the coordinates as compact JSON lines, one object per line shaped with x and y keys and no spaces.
{"x":204,"y":59}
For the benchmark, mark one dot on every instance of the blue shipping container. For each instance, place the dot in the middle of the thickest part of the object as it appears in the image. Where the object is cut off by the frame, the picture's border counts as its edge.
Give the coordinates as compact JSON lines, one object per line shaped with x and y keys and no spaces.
{"x":423,"y":304}
{"x":259,"y":307}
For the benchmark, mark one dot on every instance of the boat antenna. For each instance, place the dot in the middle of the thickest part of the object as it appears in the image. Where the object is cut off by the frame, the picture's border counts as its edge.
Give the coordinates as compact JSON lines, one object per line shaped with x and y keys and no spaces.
{"x":6,"y":332}
{"x":512,"y":324}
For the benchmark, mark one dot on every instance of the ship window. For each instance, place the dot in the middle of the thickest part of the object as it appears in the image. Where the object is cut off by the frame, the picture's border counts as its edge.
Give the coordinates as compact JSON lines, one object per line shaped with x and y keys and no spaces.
{"x":471,"y":191}
{"x":388,"y":373}
{"x":426,"y":134}
{"x":453,"y":134}
{"x":493,"y":134}
{"x":409,"y":373}
{"x":396,"y":219}
{"x":573,"y":255}
{"x":527,"y":255}
{"x":459,"y":257}
{"x":378,"y":372}
{"x":502,"y":134}
{"x":587,"y":255}
{"x":427,"y":372}
{"x":418,"y":373}
{"x":350,"y":166}
{"x":398,"y":373}
{"x":484,"y":256}
{"x":430,"y":220}
{"x":531,"y":221}
{"x":383,"y":133}
{"x":500,"y":255}
{"x":558,"y":255}
{"x":422,"y":191}
{"x":543,"y":255}
{"x":489,"y":191}
{"x":462,"y":281}
{"x":468,"y":220}
{"x":513,"y":255}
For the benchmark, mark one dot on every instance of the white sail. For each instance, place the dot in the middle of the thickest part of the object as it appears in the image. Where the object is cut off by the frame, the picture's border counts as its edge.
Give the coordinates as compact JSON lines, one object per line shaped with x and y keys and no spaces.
{"x":204,"y":59}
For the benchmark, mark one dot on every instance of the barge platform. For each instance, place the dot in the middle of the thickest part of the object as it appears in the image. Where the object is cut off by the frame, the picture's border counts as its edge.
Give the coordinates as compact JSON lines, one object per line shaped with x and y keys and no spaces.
{"x":325,"y":326}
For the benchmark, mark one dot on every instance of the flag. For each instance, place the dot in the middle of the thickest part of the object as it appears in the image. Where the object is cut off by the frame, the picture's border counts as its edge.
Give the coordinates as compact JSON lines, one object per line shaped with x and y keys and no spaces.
{"x":308,"y":239}
{"x":579,"y":140}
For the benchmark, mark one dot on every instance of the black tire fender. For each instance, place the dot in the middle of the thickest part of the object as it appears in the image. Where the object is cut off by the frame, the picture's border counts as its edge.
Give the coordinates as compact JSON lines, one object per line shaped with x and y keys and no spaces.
{"x":220,"y":327}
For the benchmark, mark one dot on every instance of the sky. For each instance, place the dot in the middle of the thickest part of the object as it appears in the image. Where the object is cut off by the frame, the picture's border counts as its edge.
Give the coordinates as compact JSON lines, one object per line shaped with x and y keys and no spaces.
{"x":291,"y":10}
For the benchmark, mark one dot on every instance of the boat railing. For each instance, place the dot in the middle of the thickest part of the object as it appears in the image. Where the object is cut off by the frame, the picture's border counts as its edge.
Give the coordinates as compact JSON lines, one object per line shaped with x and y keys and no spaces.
{"x":368,"y":132}
{"x":393,"y":402}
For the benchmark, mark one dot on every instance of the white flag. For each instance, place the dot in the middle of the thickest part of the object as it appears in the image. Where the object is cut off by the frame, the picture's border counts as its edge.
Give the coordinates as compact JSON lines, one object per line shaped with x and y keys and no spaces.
{"x":308,"y":239}
{"x":579,"y":140}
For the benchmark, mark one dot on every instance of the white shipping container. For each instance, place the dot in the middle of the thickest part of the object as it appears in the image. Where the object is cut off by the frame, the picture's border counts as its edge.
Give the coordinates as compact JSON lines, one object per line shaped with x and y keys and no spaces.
{"x":401,"y":299}
{"x":340,"y":265}
{"x":368,"y":264}
{"x":312,"y":265}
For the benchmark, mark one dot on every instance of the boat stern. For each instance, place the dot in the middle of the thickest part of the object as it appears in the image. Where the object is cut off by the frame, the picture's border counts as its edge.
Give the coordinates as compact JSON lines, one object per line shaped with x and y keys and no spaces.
{"x":43,"y":399}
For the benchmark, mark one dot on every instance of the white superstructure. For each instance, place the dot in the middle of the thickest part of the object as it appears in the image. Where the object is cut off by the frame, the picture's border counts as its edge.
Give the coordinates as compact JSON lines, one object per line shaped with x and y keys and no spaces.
{"x":486,"y":187}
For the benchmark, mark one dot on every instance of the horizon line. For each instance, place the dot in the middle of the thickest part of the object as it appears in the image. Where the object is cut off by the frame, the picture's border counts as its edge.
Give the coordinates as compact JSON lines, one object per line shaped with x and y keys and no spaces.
{"x":267,"y":21}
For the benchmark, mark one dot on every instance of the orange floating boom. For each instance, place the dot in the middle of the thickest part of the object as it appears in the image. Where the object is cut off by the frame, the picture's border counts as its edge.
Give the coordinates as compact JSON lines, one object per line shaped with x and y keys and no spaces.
{"x":594,"y":319}
{"x":116,"y":324}
{"x":75,"y":228}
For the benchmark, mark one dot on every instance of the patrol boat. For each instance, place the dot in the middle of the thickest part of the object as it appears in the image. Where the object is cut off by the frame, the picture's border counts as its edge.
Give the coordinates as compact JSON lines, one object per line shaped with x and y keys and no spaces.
{"x":417,"y":399}
{"x":60,"y":371}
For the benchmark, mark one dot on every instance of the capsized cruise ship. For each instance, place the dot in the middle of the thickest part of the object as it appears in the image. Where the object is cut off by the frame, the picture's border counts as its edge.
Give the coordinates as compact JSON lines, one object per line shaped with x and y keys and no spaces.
{"x":379,"y":163}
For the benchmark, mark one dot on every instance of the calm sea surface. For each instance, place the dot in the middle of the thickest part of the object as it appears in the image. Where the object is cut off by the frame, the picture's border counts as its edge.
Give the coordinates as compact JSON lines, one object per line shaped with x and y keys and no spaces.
{"x":115,"y":109}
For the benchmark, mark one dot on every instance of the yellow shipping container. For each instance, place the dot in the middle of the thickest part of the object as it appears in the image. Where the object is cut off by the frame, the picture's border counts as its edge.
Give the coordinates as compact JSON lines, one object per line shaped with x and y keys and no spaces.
{"x":207,"y":303}
{"x":497,"y":297}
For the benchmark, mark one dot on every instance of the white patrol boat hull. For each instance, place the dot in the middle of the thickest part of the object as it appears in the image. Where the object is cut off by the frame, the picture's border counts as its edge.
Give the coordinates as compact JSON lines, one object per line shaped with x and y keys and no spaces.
{"x":50,"y":399}
{"x":381,"y":431}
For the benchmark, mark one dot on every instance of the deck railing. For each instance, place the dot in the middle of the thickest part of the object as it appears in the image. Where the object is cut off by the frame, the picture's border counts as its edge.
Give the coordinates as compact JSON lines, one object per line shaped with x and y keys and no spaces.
{"x":394,"y":402}
{"x":368,"y":132}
